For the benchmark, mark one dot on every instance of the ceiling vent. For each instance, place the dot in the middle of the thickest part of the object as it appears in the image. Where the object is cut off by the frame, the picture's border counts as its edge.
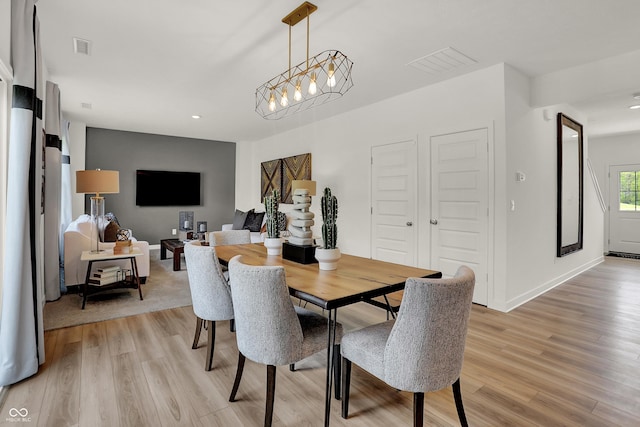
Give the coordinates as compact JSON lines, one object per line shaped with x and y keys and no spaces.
{"x":81,"y":46}
{"x":442,"y":61}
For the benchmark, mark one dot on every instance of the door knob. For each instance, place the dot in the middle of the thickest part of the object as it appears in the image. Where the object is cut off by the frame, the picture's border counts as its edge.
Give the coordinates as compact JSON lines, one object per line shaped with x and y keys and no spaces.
{"x":409,"y":223}
{"x":434,"y":221}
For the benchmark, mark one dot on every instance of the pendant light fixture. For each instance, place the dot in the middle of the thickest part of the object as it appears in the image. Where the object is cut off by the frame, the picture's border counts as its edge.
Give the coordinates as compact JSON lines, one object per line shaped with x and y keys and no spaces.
{"x":320,"y":79}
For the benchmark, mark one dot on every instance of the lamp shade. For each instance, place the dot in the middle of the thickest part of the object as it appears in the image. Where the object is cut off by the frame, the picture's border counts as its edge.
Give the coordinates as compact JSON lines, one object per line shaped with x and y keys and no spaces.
{"x":97,"y":181}
{"x":305,"y":184}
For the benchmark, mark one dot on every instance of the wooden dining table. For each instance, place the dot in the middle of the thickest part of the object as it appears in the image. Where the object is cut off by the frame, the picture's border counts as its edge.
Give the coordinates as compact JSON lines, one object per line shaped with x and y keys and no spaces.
{"x":356,"y":279}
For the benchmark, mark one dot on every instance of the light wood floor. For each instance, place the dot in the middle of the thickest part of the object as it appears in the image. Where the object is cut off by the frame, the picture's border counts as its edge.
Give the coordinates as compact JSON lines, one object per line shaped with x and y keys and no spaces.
{"x":569,"y":357}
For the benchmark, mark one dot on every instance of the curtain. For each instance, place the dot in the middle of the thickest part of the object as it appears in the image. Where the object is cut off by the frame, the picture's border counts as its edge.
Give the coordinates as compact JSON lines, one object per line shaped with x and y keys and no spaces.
{"x":21,"y":326}
{"x":52,"y":194}
{"x":65,"y":195}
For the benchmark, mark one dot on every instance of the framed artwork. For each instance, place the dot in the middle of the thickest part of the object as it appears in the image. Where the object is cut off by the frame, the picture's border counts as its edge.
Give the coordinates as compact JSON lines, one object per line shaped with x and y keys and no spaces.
{"x":279,"y":173}
{"x":294,"y":167}
{"x":270,"y":177}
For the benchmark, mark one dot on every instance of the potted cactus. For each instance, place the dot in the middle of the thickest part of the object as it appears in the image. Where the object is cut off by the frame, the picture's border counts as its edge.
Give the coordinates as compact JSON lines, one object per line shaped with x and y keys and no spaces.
{"x":328,"y":255}
{"x":272,"y":242}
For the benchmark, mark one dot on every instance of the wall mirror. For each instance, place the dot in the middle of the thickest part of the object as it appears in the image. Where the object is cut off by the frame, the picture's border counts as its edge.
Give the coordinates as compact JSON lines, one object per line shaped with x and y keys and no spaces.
{"x":570,"y":204}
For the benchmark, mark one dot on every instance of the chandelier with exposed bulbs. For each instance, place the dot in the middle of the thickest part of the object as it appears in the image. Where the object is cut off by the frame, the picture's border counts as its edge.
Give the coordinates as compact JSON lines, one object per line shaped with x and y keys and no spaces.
{"x":320,"y":79}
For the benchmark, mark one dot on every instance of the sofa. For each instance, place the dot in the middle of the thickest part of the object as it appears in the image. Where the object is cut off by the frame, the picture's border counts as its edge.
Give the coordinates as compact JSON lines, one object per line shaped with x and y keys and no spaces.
{"x":77,"y":238}
{"x":255,"y":222}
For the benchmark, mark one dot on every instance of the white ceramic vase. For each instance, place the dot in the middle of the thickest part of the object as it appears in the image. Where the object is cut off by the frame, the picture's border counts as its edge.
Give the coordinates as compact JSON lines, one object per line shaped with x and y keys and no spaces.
{"x":328,"y":258}
{"x":273,"y":245}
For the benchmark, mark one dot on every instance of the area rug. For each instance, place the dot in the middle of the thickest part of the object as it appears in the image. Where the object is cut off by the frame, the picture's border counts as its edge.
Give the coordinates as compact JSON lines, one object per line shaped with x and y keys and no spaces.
{"x":164,"y":289}
{"x":624,"y":255}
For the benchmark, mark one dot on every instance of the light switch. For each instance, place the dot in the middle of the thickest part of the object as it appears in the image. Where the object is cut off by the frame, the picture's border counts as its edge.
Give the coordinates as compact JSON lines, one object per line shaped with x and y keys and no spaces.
{"x":520,"y":176}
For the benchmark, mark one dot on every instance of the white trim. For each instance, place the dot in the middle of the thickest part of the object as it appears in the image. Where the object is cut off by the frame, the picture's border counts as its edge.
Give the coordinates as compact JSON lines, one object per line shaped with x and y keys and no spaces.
{"x":594,"y":179}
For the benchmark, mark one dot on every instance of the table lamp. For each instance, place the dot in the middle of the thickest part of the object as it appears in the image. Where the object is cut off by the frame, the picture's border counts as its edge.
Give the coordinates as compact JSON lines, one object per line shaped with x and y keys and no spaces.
{"x":97,"y":182}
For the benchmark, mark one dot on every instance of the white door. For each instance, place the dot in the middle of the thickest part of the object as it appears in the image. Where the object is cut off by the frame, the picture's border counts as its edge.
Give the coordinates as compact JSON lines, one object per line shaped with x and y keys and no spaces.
{"x":459,"y":206}
{"x":393,"y":198}
{"x":624,"y":208}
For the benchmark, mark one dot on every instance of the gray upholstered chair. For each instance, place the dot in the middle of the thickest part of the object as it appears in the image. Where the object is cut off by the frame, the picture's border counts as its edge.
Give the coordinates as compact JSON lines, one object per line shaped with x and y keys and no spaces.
{"x":210,"y":293}
{"x":229,"y":237}
{"x":270,"y":329}
{"x":420,"y":351}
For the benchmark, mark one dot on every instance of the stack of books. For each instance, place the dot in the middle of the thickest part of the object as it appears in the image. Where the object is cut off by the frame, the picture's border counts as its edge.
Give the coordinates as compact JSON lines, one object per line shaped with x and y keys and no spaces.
{"x":106,"y":275}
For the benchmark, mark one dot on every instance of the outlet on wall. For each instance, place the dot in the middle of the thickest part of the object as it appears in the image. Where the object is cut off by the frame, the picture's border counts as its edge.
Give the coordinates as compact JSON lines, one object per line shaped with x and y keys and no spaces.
{"x":174,"y":232}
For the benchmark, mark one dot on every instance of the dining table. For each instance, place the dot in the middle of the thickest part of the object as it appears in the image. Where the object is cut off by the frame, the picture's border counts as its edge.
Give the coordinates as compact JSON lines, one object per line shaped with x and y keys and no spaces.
{"x":356,"y":279}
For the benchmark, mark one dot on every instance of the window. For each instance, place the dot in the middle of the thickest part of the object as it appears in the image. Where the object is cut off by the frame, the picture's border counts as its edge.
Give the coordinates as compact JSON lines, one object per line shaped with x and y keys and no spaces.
{"x":629,"y":191}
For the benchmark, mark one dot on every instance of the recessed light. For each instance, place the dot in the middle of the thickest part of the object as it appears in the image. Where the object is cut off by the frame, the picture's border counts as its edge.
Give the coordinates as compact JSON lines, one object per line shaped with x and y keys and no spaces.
{"x":195,"y":116}
{"x":635,"y":107}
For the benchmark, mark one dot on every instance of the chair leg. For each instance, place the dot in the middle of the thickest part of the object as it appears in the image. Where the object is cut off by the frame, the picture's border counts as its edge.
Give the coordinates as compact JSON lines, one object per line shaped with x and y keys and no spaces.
{"x":271,"y":394}
{"x":210,"y":345}
{"x":457,"y":396}
{"x":196,"y":338}
{"x":292,"y":367}
{"x":418,"y":409}
{"x":337,"y":359}
{"x":236,"y":382}
{"x":346,"y":384}
{"x":232,"y":325}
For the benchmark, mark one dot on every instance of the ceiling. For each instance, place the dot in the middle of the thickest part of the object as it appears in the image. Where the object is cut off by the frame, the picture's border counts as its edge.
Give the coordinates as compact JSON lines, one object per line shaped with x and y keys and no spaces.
{"x":154,"y":64}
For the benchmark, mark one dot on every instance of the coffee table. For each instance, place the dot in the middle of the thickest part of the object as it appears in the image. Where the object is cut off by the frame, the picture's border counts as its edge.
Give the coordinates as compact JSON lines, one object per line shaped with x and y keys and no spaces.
{"x":174,"y":245}
{"x":177,"y":247}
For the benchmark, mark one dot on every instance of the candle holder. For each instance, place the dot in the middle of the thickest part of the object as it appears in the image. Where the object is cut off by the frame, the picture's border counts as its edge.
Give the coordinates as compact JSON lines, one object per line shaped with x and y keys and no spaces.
{"x":202,"y":230}
{"x":186,"y":225}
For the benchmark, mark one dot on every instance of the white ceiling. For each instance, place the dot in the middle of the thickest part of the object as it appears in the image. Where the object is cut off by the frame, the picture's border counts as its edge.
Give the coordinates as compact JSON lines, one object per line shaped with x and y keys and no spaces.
{"x":154,"y":64}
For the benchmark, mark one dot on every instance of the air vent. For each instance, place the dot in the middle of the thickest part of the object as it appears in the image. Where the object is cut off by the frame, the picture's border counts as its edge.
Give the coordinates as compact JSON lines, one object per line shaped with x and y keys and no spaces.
{"x":442,"y":61}
{"x":81,"y":46}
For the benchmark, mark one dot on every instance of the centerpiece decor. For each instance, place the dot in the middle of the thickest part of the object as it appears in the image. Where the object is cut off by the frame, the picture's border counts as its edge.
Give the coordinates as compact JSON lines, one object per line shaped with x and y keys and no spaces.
{"x":329,"y":254}
{"x":272,"y":242}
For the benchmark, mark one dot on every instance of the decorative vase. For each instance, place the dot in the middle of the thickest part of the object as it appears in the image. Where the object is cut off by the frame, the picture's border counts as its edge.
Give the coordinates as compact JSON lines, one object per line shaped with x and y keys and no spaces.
{"x":273,"y":245}
{"x":328,"y":258}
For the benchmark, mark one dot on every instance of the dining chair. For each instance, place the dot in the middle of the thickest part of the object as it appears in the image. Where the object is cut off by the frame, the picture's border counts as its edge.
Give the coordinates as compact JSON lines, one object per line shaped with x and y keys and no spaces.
{"x":423,"y":348}
{"x":229,"y":237}
{"x":210,"y":293}
{"x":270,"y":329}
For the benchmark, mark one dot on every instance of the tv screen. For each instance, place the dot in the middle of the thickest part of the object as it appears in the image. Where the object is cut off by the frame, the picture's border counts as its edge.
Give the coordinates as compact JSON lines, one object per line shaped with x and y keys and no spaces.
{"x":167,"y":188}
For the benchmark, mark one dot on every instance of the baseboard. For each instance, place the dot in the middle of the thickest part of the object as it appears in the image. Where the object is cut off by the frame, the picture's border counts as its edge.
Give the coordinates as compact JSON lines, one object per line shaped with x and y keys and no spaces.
{"x":528,"y":296}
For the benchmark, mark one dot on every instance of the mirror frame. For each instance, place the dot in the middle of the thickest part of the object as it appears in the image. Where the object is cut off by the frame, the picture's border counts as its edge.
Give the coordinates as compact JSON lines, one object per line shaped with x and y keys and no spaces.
{"x":570,"y":247}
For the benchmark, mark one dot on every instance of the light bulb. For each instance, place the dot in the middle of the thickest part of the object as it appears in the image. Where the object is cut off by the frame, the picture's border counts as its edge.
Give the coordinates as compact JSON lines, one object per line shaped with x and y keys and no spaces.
{"x":297,"y":95}
{"x":312,"y":84}
{"x":284,"y":101}
{"x":272,"y":102}
{"x":331,"y":78}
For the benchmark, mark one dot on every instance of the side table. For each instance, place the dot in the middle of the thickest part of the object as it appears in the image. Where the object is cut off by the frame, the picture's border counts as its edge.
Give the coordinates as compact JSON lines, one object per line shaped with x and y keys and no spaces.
{"x":132,"y":282}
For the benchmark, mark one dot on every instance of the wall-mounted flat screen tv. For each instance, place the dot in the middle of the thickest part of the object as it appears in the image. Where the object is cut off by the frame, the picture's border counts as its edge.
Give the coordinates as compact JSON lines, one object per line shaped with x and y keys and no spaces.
{"x":167,"y":188}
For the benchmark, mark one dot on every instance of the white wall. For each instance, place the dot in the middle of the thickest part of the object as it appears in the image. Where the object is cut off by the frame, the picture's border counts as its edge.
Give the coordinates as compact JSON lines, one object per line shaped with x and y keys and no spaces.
{"x":5,"y":31}
{"x":77,"y":146}
{"x":522,"y":259}
{"x":341,"y":146}
{"x":607,"y":151}
{"x":532,"y":265}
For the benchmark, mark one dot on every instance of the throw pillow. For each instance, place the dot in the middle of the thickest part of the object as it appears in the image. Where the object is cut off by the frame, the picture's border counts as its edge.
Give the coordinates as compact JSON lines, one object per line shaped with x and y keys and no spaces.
{"x":111,"y":232}
{"x":239,"y":219}
{"x":254,"y":221}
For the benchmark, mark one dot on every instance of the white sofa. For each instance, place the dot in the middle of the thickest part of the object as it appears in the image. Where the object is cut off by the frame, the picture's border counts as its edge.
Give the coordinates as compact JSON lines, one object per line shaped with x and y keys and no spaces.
{"x":77,"y":238}
{"x":256,"y":236}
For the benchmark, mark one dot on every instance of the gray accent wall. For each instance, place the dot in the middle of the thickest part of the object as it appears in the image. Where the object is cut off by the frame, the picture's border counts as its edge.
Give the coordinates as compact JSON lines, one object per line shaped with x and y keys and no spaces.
{"x":128,"y":151}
